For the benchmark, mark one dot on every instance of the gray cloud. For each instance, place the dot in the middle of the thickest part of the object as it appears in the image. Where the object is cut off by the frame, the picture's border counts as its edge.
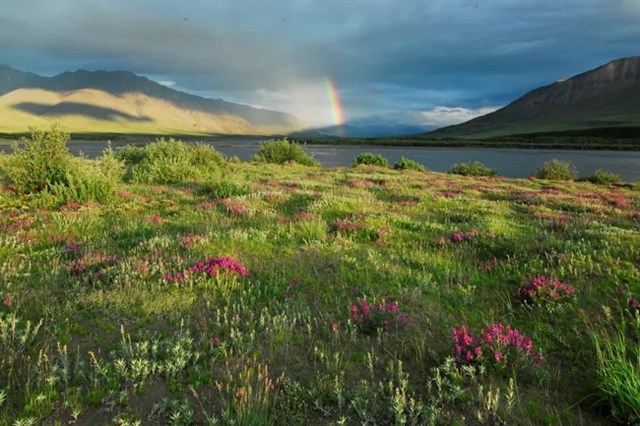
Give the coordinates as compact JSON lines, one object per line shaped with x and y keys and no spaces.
{"x":384,"y":55}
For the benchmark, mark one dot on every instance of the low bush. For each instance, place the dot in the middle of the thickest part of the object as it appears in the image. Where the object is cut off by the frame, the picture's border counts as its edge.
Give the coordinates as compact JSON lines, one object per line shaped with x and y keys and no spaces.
{"x":282,"y":151}
{"x":474,"y":168}
{"x":603,"y":177}
{"x":43,"y":167}
{"x":557,"y":170}
{"x":169,"y":161}
{"x":370,"y":159}
{"x":408,"y":164}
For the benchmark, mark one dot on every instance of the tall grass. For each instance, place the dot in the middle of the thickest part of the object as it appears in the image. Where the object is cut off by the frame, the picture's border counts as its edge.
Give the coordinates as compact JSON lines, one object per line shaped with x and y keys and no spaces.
{"x":618,"y":377}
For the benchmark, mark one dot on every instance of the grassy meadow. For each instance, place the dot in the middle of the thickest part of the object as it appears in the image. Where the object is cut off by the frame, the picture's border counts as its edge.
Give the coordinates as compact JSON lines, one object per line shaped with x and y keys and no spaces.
{"x":170,"y":285}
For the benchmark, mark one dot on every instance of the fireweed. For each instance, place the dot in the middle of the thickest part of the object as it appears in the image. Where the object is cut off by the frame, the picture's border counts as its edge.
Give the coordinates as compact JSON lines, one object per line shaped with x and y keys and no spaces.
{"x":541,"y":290}
{"x":381,"y":315}
{"x":468,"y":236}
{"x":498,"y":345}
{"x":211,"y":267}
{"x":634,"y":306}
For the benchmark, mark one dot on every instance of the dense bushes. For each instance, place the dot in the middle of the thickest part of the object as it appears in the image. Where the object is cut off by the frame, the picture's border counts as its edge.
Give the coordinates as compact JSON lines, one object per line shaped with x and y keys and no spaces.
{"x":169,"y":161}
{"x":44,"y":168}
{"x":408,"y":164}
{"x":370,"y":159}
{"x":473,"y":168}
{"x":557,"y":170}
{"x":282,"y":151}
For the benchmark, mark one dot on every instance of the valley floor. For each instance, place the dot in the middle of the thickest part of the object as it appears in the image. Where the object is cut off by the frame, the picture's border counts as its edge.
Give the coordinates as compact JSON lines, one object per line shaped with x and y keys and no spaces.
{"x":319,"y":296}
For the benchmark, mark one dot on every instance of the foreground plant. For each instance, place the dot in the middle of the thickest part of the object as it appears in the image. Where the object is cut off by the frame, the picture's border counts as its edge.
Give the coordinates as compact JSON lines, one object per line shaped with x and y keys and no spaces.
{"x":381,"y":315}
{"x":619,"y":377}
{"x":498,"y":345}
{"x":542,"y":290}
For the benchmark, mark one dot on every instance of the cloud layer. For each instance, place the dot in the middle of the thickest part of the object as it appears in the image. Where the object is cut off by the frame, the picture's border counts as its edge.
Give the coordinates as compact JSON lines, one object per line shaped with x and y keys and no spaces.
{"x":385,"y":56}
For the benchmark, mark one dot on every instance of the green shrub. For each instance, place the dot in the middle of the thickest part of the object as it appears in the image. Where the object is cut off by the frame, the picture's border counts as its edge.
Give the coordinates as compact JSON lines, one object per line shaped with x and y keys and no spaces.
{"x":41,"y":162}
{"x":408,"y":164}
{"x":169,"y":161}
{"x":45,"y":170}
{"x":224,"y":189}
{"x":370,"y":159}
{"x":131,"y":154}
{"x":474,"y":168}
{"x":557,"y":170}
{"x":618,"y":378}
{"x":282,"y":151}
{"x":603,"y":177}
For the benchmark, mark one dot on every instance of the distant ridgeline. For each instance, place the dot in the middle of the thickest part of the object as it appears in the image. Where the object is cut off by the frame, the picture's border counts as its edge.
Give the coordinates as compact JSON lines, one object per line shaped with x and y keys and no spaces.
{"x":123,"y":102}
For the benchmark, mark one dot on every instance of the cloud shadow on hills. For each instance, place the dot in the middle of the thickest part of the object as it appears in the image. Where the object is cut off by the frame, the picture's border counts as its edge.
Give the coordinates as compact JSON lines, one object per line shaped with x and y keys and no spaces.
{"x":77,"y":108}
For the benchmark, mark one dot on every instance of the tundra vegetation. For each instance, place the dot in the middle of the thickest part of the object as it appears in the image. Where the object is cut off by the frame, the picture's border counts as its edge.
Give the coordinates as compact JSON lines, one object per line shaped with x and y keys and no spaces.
{"x":168,"y":285}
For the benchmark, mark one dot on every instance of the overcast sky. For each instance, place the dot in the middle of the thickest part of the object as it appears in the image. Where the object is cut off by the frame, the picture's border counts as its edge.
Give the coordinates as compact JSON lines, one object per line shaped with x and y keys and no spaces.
{"x":423,"y":62}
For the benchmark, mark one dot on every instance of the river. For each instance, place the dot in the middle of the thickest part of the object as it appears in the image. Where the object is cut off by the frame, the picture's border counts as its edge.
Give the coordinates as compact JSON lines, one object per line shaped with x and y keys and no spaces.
{"x":508,"y":162}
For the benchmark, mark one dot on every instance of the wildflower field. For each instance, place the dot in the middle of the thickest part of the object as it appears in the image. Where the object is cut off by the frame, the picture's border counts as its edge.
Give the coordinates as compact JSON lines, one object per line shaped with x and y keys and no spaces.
{"x":258,"y":293}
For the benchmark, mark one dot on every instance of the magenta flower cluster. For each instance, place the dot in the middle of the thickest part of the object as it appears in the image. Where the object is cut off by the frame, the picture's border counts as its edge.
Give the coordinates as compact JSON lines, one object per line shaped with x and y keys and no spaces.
{"x":469,"y":236}
{"x":542,"y":289}
{"x":634,"y":305}
{"x":211,"y":267}
{"x":497,"y":345}
{"x":383,"y":314}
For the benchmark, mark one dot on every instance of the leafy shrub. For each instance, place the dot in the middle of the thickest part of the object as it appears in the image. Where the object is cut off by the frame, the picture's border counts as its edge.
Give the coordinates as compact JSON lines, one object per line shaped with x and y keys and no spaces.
{"x":557,"y":170}
{"x":603,"y":177}
{"x":44,"y":168}
{"x":408,"y":164}
{"x":474,"y":168}
{"x":169,"y":161}
{"x":131,"y":154}
{"x":282,"y":151}
{"x":370,"y":159}
{"x":42,"y":162}
{"x":618,"y":378}
{"x":224,"y":189}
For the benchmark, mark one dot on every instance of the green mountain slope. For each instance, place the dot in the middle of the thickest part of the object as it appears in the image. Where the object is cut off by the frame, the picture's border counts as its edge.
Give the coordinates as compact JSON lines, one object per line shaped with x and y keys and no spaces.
{"x":606,"y":97}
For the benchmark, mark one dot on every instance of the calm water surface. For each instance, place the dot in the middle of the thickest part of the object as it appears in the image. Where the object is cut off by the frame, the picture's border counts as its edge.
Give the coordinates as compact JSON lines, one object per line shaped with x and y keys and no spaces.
{"x":508,"y":162}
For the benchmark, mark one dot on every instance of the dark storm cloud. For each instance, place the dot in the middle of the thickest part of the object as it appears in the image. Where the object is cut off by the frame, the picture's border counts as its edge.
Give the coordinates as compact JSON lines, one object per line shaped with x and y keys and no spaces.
{"x":385,"y":55}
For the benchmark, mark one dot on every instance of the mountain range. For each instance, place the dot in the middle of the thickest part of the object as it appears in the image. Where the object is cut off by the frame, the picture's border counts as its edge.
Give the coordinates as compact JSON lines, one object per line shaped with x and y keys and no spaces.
{"x":598,"y":102}
{"x":123,"y":102}
{"x":604,"y":98}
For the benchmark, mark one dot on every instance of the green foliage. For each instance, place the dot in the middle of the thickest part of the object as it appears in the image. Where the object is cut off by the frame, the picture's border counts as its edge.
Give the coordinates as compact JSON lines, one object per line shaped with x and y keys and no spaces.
{"x":408,"y":164}
{"x":618,"y":376}
{"x":473,"y":168}
{"x":45,"y":169}
{"x":41,"y":162}
{"x":224,"y":189}
{"x":169,"y":161}
{"x":370,"y":159}
{"x":281,"y":151}
{"x":603,"y":177}
{"x":557,"y":170}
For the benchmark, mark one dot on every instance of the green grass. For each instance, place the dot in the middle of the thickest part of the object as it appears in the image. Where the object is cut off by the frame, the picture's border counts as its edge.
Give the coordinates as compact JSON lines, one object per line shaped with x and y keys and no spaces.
{"x":92,"y":329}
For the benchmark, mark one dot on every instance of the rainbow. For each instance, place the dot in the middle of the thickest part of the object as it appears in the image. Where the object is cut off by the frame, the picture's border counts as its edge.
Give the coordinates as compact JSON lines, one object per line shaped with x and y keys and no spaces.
{"x":336,"y":106}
